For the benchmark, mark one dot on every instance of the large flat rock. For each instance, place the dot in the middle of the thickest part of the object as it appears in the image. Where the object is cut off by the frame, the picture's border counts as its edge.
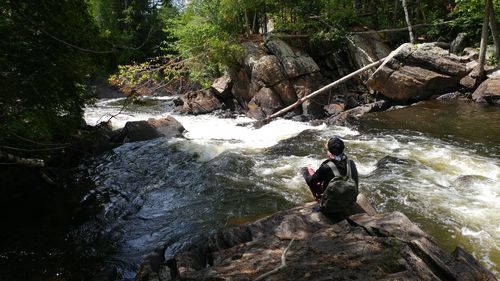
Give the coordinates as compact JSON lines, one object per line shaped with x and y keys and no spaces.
{"x":362,"y":246}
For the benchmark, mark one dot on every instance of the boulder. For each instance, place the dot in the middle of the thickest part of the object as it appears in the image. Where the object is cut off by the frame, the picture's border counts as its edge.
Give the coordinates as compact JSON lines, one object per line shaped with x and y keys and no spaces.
{"x":304,"y":86}
{"x":253,"y":52}
{"x":295,"y":63}
{"x":488,"y":91}
{"x":150,"y":129}
{"x":198,"y":102}
{"x":139,"y":131}
{"x":267,"y":71}
{"x":416,"y":72}
{"x":167,"y":126}
{"x":364,"y":246}
{"x":367,"y":48}
{"x":222,"y":86}
{"x":264,"y":103}
{"x":286,"y":92}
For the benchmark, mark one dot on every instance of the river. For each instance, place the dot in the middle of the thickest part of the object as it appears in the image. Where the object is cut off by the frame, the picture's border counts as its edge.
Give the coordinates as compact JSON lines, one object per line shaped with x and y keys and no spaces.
{"x":437,"y":162}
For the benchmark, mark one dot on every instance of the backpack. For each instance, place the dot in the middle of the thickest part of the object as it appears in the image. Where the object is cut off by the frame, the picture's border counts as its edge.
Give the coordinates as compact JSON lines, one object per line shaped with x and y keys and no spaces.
{"x":340,"y":192}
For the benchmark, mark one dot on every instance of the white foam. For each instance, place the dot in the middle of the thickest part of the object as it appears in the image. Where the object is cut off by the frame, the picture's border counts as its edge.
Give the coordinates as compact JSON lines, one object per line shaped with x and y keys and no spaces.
{"x":230,"y":133}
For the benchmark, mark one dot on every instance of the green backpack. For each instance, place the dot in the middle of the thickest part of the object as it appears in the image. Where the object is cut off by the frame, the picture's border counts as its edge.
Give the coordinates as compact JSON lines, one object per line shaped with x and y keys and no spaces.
{"x":340,"y":192}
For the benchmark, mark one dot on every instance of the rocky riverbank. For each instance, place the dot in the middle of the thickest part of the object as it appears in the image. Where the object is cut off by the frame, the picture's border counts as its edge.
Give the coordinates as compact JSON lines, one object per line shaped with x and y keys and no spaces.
{"x":306,"y":245}
{"x":275,"y":75}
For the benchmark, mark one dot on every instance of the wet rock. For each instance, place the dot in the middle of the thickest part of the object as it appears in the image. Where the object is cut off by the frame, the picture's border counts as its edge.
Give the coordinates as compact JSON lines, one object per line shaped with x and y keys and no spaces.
{"x":488,"y":91}
{"x":349,"y":117}
{"x":145,"y":130}
{"x":139,"y":131}
{"x":449,"y":96}
{"x":167,"y":126}
{"x":417,"y":72}
{"x":198,"y":102}
{"x":150,"y":129}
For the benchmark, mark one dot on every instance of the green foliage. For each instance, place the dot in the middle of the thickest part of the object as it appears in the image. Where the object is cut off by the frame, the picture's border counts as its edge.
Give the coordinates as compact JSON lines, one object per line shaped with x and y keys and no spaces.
{"x":42,"y":74}
{"x":142,"y":79}
{"x":205,"y":40}
{"x":133,"y":28}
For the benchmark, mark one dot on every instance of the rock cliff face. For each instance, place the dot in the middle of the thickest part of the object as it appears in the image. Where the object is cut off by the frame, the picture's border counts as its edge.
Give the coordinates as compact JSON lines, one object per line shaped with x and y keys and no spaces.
{"x":364,"y":246}
{"x":417,"y":72}
{"x":274,"y":76}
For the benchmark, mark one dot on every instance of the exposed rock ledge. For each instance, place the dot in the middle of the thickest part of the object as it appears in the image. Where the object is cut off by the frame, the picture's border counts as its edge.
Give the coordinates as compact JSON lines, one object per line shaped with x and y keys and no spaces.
{"x":363,"y":247}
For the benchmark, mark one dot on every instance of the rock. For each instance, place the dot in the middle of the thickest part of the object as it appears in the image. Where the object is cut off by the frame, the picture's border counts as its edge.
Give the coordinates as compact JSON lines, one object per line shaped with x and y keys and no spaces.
{"x":468,"y":82}
{"x":334,"y":108}
{"x":294,"y":63}
{"x":304,"y":86}
{"x":253,"y":53}
{"x":457,"y":45}
{"x":362,"y":247}
{"x":264,"y":103}
{"x":367,"y":48}
{"x":267,"y":71}
{"x":199,"y":102}
{"x":350,"y":116}
{"x":241,"y":87}
{"x":153,"y":128}
{"x":222,"y":86}
{"x":286,"y":92}
{"x":138,"y":131}
{"x":167,"y":126}
{"x":393,"y":224}
{"x":488,"y":91}
{"x":417,"y":72}
{"x":449,"y":96}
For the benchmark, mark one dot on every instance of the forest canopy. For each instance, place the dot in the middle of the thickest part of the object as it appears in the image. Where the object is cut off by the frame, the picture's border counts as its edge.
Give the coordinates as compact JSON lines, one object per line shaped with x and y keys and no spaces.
{"x":52,"y":50}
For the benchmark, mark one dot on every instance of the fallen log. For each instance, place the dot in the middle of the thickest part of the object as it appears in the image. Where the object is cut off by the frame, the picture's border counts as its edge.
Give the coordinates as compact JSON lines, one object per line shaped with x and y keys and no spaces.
{"x":263,"y":122}
{"x":268,"y":119}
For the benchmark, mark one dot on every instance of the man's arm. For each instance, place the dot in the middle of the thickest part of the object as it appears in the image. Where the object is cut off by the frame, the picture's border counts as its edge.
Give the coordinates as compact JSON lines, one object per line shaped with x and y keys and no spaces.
{"x":315,"y":181}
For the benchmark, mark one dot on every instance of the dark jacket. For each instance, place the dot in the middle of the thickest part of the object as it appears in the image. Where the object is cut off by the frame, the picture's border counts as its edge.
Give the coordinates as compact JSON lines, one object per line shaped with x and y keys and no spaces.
{"x":320,"y":179}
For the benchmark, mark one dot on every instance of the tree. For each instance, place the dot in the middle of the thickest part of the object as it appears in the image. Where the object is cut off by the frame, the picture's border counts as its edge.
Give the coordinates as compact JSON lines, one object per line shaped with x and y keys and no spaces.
{"x":484,"y":42}
{"x":494,"y":31}
{"x":408,"y":22}
{"x":47,"y":50}
{"x":132,"y":27}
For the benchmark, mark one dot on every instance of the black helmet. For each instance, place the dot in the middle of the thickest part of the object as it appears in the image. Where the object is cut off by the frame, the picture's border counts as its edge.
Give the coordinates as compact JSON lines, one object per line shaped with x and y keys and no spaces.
{"x":335,"y":145}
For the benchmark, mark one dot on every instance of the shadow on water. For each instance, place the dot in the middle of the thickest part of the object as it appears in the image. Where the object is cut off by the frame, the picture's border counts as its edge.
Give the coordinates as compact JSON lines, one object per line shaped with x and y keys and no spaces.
{"x":157,"y":196}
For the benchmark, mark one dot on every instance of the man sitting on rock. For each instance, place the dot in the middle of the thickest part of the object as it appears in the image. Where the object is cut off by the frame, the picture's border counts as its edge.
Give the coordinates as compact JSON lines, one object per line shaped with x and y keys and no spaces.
{"x":335,"y":183}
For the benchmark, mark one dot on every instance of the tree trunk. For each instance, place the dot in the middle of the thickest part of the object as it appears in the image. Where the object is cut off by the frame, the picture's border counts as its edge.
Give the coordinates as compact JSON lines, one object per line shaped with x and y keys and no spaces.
{"x":484,"y":43}
{"x":494,"y":32}
{"x":374,"y":14}
{"x":408,"y":23}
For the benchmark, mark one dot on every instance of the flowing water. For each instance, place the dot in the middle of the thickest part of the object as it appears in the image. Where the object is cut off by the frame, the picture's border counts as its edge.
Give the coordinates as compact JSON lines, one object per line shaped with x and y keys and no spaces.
{"x":439,"y":163}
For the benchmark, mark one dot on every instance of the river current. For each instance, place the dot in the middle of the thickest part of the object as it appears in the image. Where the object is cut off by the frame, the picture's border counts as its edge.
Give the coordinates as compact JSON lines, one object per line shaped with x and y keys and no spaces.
{"x":439,"y":163}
